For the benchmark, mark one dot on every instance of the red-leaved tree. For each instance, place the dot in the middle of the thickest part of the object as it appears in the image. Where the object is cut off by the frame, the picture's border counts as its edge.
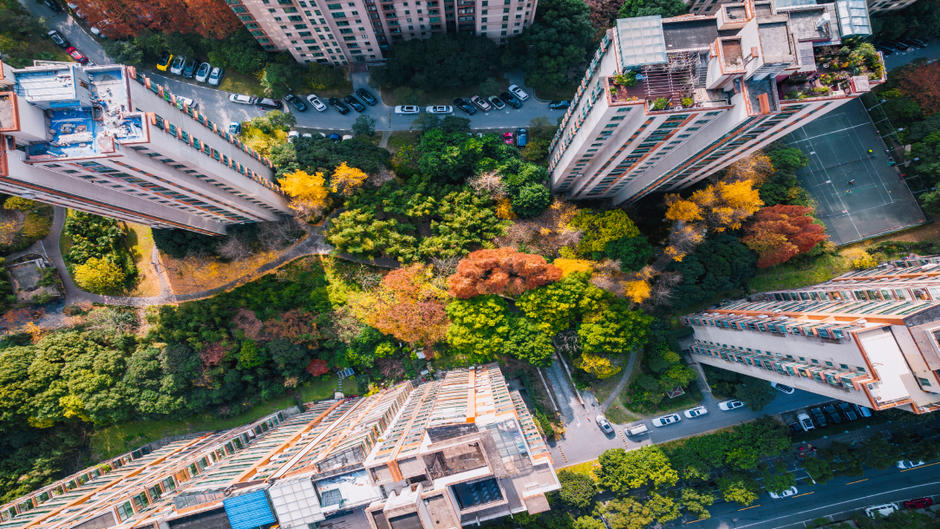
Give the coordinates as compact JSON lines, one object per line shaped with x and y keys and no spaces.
{"x":209,"y":18}
{"x":408,"y":306}
{"x":779,"y":233}
{"x":503,"y":271}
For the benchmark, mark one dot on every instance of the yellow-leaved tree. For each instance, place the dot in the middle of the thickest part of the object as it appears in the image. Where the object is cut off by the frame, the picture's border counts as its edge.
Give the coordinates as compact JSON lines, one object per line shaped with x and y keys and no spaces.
{"x":682,"y":210}
{"x":308,"y":192}
{"x":347,"y":180}
{"x":597,"y":365}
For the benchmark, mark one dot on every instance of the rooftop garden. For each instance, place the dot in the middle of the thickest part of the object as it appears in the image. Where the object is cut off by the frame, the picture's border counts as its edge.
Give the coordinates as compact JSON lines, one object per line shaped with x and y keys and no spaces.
{"x":835,"y":67}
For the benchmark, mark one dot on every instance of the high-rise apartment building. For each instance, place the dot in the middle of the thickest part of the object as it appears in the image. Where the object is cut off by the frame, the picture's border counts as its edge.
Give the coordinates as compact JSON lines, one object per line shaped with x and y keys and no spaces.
{"x":870,"y":337}
{"x":360,"y":31}
{"x":111,"y":141}
{"x":667,"y":102}
{"x":448,"y":453}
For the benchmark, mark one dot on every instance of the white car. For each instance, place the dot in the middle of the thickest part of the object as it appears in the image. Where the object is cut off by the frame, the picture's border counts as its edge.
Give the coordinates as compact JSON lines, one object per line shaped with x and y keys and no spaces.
{"x":697,"y":411}
{"x":518,"y":92}
{"x":604,"y":424}
{"x":439,"y":109}
{"x":202,"y":73}
{"x":728,"y":405}
{"x":177,"y":67}
{"x":215,"y":76}
{"x":407,"y":109}
{"x":783,"y":494}
{"x":666,"y":420}
{"x":316,"y":103}
{"x":906,"y":464}
{"x":241,"y":99}
{"x":883,"y":510}
{"x":292,"y":135}
{"x":185,"y":102}
{"x":805,"y":422}
{"x":783,"y":388}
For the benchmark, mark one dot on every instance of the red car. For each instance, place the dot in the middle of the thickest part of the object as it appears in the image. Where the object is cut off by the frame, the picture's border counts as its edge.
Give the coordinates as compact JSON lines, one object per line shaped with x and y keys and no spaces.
{"x":918,"y":503}
{"x":76,"y":55}
{"x":508,"y":138}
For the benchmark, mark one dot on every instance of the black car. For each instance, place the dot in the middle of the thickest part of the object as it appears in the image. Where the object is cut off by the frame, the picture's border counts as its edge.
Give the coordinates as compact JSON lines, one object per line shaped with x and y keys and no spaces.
{"x":267,"y":102}
{"x":465,"y":105}
{"x":511,"y":100}
{"x":833,"y":413}
{"x":353,"y":102}
{"x":295,"y":102}
{"x":559,"y":105}
{"x":189,"y":69}
{"x":818,"y":417}
{"x":339,"y":105}
{"x":59,"y":40}
{"x":848,"y":411}
{"x":52,"y":5}
{"x":367,"y":96}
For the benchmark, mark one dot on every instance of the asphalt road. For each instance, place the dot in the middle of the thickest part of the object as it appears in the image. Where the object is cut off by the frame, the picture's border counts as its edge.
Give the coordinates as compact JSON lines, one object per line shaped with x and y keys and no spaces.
{"x":837,"y":498}
{"x":900,"y":59}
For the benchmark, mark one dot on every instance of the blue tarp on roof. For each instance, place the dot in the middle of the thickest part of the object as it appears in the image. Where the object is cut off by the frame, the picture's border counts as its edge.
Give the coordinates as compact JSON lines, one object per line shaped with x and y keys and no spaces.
{"x":249,"y":511}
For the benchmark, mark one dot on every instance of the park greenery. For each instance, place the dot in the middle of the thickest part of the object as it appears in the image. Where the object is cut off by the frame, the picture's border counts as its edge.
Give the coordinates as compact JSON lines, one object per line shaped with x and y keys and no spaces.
{"x":97,"y":255}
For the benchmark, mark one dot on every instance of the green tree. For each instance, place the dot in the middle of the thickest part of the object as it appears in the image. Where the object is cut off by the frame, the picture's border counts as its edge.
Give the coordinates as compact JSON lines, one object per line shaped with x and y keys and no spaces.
{"x":99,"y":275}
{"x":663,"y":508}
{"x":752,"y":441}
{"x":19,"y":204}
{"x":364,"y":125}
{"x":277,"y":79}
{"x":738,"y":487}
{"x":927,"y":156}
{"x":633,"y":252}
{"x":560,"y":305}
{"x":598,"y":229}
{"x":879,"y":452}
{"x":626,"y":513}
{"x":528,"y":342}
{"x":588,"y":522}
{"x":696,"y":457}
{"x":621,"y":471}
{"x":577,"y":490}
{"x":931,"y":202}
{"x":718,"y":267}
{"x":696,"y":502}
{"x":644,"y":8}
{"x":531,"y":200}
{"x":479,"y":327}
{"x":428,"y":64}
{"x":615,"y":331}
{"x":554,"y":51}
{"x":819,"y":469}
{"x":776,"y":478}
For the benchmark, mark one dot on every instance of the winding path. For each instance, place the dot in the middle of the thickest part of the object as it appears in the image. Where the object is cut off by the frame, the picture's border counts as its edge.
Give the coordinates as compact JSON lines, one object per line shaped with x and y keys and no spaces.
{"x":627,"y":371}
{"x":314,"y":244}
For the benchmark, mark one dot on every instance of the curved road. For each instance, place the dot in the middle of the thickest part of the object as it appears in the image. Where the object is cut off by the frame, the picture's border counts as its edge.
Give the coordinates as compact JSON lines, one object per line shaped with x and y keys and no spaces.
{"x":215,"y":104}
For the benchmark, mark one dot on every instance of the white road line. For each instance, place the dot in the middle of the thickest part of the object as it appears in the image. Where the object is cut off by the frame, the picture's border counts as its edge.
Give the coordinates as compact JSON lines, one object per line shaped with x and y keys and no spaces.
{"x":838,"y":503}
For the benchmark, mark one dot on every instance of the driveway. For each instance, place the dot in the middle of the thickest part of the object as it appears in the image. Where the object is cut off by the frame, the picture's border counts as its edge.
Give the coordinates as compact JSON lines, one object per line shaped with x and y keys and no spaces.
{"x":932,"y":51}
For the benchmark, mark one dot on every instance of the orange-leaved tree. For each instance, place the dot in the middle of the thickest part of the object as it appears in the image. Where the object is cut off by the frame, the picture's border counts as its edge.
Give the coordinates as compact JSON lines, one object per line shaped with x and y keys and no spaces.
{"x":779,"y":233}
{"x":407,"y":305}
{"x":501,"y":271}
{"x":308,"y":192}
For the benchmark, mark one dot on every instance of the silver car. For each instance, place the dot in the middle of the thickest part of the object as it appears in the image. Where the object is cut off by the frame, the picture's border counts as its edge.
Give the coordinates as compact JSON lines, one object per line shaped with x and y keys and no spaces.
{"x":316,"y":103}
{"x":215,"y":77}
{"x":439,"y":109}
{"x":202,"y":73}
{"x":666,"y":420}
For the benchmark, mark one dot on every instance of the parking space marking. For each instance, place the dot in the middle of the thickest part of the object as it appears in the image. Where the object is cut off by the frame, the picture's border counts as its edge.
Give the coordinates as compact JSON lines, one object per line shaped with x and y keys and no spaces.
{"x":856,"y":481}
{"x":696,"y":521}
{"x":805,"y":494}
{"x":751,"y":507}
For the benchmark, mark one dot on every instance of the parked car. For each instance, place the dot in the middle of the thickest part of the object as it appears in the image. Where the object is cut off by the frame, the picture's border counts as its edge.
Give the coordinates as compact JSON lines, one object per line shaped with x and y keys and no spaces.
{"x":863,"y":411}
{"x":518,"y":92}
{"x":666,"y":420}
{"x":511,"y":100}
{"x":164,"y":61}
{"x":215,"y":76}
{"x":832,"y":413}
{"x":367,"y":96}
{"x":522,"y":137}
{"x":439,"y":109}
{"x":316,"y":103}
{"x":818,"y":417}
{"x":59,"y":40}
{"x":465,"y":105}
{"x":848,"y":410}
{"x":918,"y":503}
{"x":559,"y":105}
{"x":334,"y":136}
{"x":481,"y":103}
{"x":339,"y":105}
{"x":899,"y":46}
{"x":634,"y":431}
{"x":783,"y":494}
{"x":182,"y":101}
{"x":267,"y":102}
{"x":407,"y":109}
{"x":53,"y":6}
{"x":883,"y":510}
{"x":918,"y":42}
{"x":697,"y":411}
{"x":911,"y":43}
{"x":202,"y":73}
{"x":728,"y":405}
{"x":783,"y":388}
{"x":295,"y":102}
{"x":189,"y":69}
{"x":805,"y":422}
{"x":508,"y":138}
{"x":353,"y":102}
{"x":496,"y":102}
{"x":907,"y":464}
{"x":76,"y":55}
{"x":292,"y":135}
{"x":178,"y":63}
{"x":242,"y":99}
{"x":234,"y":128}
{"x":604,"y":424}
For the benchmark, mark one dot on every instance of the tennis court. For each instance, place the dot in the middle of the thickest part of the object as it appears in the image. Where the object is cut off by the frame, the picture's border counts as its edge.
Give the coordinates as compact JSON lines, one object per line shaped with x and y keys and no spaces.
{"x":858,"y":195}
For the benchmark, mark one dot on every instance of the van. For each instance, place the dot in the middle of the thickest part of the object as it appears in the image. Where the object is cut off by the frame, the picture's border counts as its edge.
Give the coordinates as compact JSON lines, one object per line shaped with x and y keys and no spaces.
{"x":639,"y":429}
{"x":881,"y":510}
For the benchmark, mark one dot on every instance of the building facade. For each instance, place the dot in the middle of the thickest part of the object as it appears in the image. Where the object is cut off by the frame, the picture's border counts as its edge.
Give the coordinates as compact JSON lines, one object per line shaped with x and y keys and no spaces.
{"x":869,"y":337}
{"x":667,"y":102}
{"x":449,"y":453}
{"x":108,"y":140}
{"x":361,"y":31}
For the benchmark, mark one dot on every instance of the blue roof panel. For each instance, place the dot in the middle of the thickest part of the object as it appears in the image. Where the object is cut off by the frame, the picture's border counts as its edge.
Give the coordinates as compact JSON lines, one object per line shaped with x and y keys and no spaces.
{"x":249,"y":511}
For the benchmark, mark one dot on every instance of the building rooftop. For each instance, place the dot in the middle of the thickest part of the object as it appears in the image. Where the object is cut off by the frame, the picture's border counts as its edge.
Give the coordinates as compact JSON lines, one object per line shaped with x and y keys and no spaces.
{"x":51,"y":83}
{"x":641,"y":41}
{"x":689,"y":33}
{"x":7,"y":111}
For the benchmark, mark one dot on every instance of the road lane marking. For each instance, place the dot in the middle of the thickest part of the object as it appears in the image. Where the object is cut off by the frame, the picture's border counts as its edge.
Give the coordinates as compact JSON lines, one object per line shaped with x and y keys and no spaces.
{"x":922,"y":466}
{"x":751,"y":507}
{"x":839,"y":503}
{"x":857,"y":481}
{"x":696,"y":521}
{"x":805,"y":494}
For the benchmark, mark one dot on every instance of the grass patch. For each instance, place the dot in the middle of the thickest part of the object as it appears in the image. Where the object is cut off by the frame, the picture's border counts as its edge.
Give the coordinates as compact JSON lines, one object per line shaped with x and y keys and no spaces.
{"x":603,"y":388}
{"x":619,"y":415}
{"x":586,"y":468}
{"x":806,"y":272}
{"x":139,"y":243}
{"x":121,"y":438}
{"x":402,"y":138}
{"x":241,"y":84}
